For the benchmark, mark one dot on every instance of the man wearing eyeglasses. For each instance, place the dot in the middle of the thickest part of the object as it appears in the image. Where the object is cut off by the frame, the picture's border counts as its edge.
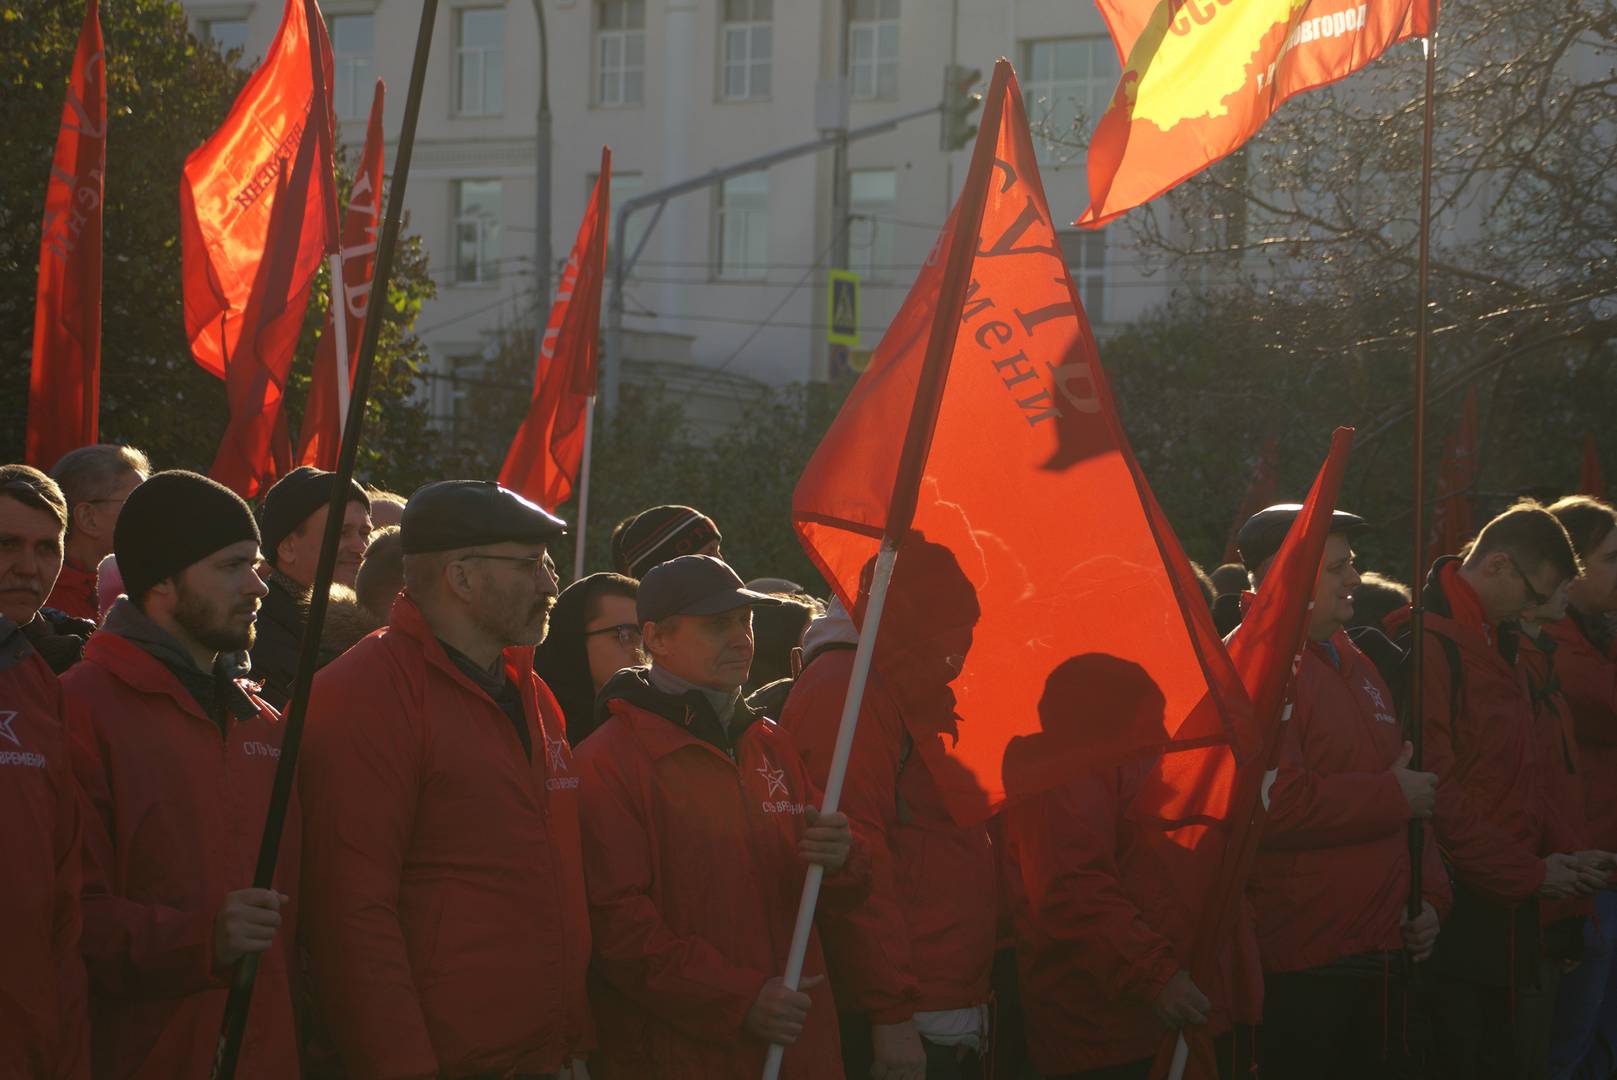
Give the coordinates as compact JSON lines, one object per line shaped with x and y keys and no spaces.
{"x":96,"y":480}
{"x":1489,"y":820}
{"x":446,"y":927}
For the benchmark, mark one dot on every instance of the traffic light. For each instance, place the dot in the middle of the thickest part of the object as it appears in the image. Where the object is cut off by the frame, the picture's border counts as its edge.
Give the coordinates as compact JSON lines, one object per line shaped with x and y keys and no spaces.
{"x":959,"y":103}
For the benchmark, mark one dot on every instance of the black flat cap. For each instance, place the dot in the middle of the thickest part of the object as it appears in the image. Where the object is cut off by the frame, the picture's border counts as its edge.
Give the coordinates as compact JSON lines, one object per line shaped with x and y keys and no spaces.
{"x":452,"y":514}
{"x":694,"y":585}
{"x":1266,"y":530}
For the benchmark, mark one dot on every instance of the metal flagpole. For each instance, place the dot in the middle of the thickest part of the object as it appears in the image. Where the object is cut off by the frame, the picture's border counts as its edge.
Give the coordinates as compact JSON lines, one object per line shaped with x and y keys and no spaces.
{"x":1417,"y":827}
{"x":234,"y":1023}
{"x":584,"y":488}
{"x":339,"y":327}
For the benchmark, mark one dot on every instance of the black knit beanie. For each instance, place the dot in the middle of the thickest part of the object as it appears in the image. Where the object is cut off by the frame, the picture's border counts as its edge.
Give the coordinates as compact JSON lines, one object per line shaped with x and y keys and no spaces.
{"x":654,"y":536}
{"x":173,"y":520}
{"x":293,"y":498}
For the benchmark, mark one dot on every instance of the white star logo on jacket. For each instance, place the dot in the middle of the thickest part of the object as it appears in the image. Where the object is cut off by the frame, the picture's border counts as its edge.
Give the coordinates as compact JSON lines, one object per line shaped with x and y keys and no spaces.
{"x":775,"y":778}
{"x":7,"y":718}
{"x":556,"y":754}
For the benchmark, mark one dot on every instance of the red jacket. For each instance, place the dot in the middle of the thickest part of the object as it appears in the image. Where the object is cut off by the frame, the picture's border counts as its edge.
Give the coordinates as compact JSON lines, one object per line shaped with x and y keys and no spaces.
{"x":1588,"y":679}
{"x":924,"y":940}
{"x":43,"y":1032}
{"x":1332,"y":876}
{"x":1482,"y":747}
{"x":446,"y":925}
{"x":178,"y":813}
{"x":1104,"y":909}
{"x":1560,"y":788}
{"x":74,"y":592}
{"x":690,"y":853}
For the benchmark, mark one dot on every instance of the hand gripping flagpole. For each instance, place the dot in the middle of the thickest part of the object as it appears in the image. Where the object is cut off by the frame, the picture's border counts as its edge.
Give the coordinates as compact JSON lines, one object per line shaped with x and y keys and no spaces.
{"x":1417,"y":607}
{"x":234,"y":1023}
{"x":906,"y":492}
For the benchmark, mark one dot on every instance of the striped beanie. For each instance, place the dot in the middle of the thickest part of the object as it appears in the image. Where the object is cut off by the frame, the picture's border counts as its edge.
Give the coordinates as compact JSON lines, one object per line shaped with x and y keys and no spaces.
{"x":654,"y":536}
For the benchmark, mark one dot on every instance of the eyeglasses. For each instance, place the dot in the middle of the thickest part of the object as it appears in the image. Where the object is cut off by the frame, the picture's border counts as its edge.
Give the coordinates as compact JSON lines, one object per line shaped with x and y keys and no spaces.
{"x":1538,"y":598}
{"x":628,"y":633}
{"x":534,"y":562}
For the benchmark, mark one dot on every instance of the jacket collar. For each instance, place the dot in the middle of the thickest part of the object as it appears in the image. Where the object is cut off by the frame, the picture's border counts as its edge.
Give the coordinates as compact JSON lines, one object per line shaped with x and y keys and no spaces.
{"x":689,"y":716}
{"x":135,"y":663}
{"x":407,"y":619}
{"x":1448,"y":596}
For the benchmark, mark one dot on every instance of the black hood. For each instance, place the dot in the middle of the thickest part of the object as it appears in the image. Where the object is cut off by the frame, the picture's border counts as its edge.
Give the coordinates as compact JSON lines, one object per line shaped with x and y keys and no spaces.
{"x":562,"y":660}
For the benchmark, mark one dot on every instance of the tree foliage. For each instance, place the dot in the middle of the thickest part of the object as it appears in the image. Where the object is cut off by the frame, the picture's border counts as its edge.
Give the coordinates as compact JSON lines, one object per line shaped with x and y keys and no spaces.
{"x":166,"y":92}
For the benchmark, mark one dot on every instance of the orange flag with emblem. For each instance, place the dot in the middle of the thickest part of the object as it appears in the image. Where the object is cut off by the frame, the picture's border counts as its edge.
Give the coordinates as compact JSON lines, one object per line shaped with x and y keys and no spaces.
{"x":1200,"y":77}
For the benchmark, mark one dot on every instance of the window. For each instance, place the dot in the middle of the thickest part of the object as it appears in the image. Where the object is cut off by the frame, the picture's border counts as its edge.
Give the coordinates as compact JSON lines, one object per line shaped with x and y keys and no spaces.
{"x":1070,"y":83}
{"x":748,"y":40}
{"x":479,"y":61}
{"x":873,"y":49}
{"x":743,"y":227}
{"x":353,"y":40}
{"x":620,"y":52}
{"x":477,"y":232}
{"x":625,"y":186}
{"x":1085,"y":252}
{"x":228,"y":34}
{"x":872,"y":198}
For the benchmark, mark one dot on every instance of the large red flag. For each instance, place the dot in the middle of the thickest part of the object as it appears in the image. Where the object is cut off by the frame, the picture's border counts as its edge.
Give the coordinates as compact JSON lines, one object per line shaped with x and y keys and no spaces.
{"x":64,"y":387}
{"x":1200,"y":78}
{"x":1452,"y":520}
{"x":1035,"y":540}
{"x":1259,"y":493}
{"x":228,"y":189}
{"x":1591,"y":480}
{"x":544,"y":458}
{"x":318,"y":439}
{"x":1203,"y":785}
{"x":255,"y":448}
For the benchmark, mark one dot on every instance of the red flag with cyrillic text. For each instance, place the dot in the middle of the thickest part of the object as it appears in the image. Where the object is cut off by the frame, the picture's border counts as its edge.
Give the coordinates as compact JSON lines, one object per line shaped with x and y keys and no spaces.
{"x":228,"y":189}
{"x":64,"y":385}
{"x":1200,"y":77}
{"x":545,"y":455}
{"x":320,"y":435}
{"x":255,"y":449}
{"x":1035,"y":542}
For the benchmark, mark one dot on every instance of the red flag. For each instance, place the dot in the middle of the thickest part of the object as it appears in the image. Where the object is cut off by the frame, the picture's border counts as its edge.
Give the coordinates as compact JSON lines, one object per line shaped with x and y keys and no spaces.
{"x":1205,"y":785}
{"x":1591,"y":480}
{"x":318,"y":439}
{"x":64,"y":387}
{"x":1200,"y":78}
{"x":1452,"y":522}
{"x":229,"y":186}
{"x":1259,"y":493}
{"x":1034,"y":540}
{"x":255,"y":446}
{"x":544,"y":458}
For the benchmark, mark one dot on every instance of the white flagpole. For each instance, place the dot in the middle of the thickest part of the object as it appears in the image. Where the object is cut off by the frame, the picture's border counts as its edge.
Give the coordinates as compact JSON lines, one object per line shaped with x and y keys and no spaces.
{"x":584,"y":488}
{"x":339,"y":327}
{"x":1181,"y":1057}
{"x":839,"y":770}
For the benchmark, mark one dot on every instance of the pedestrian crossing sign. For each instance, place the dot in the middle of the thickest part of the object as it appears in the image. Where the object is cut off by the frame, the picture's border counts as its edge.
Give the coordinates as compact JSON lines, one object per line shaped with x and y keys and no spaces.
{"x":842,"y":324}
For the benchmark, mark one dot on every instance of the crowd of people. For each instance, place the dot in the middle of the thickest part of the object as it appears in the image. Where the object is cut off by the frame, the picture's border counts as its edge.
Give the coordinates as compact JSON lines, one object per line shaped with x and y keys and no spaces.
{"x":544,"y":832}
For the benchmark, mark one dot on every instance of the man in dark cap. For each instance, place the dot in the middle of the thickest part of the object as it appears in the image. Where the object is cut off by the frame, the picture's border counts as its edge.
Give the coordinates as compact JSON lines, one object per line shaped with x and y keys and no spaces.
{"x":661,"y":533}
{"x":446,"y":923}
{"x":176,"y":757}
{"x":1331,"y":880}
{"x":293,"y":520}
{"x":699,"y":821}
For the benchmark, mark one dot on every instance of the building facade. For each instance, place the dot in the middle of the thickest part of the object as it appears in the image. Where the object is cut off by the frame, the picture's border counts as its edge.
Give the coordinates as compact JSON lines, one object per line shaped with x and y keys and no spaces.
{"x":730,"y":289}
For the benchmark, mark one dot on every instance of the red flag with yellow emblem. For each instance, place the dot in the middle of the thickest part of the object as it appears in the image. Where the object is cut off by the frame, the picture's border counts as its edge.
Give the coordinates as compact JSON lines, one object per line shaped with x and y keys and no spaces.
{"x":1200,"y":77}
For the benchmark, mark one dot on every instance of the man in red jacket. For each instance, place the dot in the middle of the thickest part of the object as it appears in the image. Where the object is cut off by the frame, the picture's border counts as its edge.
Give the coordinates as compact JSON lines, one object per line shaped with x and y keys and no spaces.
{"x":1585,"y":1031}
{"x":42,"y":990}
{"x":910,"y":966}
{"x":1331,"y":880}
{"x":445,"y":918}
{"x":177,"y":757}
{"x":1103,"y":901}
{"x":96,"y":480}
{"x":698,"y":820}
{"x":1488,"y":816}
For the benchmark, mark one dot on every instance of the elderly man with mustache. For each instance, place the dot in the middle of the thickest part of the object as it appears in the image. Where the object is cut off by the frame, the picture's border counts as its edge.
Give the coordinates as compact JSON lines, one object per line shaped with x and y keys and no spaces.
{"x":446,"y":923}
